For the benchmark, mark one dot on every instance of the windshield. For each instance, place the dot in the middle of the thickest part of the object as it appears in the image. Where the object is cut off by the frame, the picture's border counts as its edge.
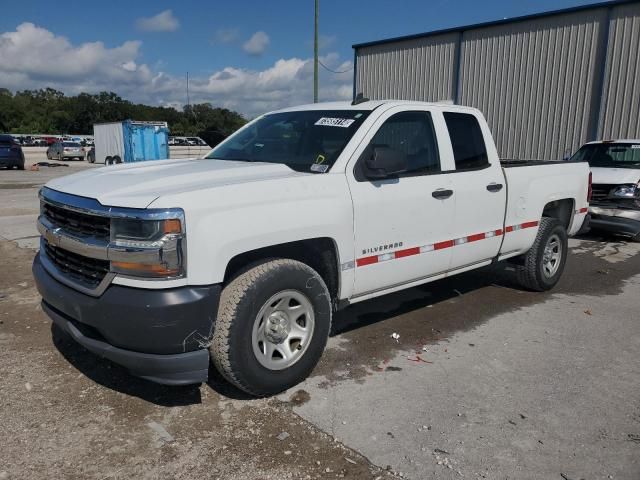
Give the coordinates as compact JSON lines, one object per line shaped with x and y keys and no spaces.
{"x":609,"y":155}
{"x":70,"y":144}
{"x":307,"y":141}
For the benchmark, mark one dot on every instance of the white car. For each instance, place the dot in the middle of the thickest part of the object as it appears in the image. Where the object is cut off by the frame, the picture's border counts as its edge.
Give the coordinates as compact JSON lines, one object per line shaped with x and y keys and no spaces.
{"x":243,"y":256}
{"x":615,"y":166}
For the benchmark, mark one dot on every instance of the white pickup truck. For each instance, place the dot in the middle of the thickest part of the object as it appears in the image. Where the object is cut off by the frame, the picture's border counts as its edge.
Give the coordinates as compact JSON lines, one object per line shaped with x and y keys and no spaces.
{"x":615,"y":166}
{"x":242,"y":257}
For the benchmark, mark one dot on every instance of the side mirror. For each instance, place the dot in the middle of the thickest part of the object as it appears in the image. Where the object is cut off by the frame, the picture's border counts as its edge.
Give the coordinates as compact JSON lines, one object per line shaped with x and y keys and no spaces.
{"x":385,"y":162}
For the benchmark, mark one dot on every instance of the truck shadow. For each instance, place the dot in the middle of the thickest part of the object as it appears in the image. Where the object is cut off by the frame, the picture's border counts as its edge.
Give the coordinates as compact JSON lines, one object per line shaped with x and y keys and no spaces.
{"x":114,"y":377}
{"x":421,"y":315}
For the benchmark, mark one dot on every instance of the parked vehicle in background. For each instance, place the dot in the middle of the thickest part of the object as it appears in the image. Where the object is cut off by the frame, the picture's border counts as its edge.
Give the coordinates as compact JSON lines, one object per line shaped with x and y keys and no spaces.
{"x":300,"y":212}
{"x":65,"y":150}
{"x":11,"y":155}
{"x":615,"y":204}
{"x":130,"y":141}
{"x":177,"y":141}
{"x":196,"y":141}
{"x":91,"y":155}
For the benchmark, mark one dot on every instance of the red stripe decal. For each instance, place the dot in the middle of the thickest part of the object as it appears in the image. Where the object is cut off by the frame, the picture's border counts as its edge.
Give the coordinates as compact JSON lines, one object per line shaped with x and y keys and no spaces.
{"x":361,"y":262}
{"x":583,"y":210}
{"x":445,"y":244}
{"x":407,"y":252}
{"x":476,"y":237}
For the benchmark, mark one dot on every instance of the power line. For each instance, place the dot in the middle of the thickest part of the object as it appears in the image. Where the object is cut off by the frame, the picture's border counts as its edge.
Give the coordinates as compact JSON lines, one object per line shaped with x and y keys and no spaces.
{"x":334,"y":71}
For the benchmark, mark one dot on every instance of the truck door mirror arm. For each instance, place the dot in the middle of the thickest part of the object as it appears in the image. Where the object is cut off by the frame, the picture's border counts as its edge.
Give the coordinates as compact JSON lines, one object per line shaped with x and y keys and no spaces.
{"x":383,"y":162}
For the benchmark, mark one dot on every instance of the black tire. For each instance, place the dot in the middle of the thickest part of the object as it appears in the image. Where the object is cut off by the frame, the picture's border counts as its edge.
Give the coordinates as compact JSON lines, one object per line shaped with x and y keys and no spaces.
{"x":116,"y":159}
{"x":20,"y":166}
{"x":532,"y":273}
{"x":240,"y":303}
{"x":108,"y":161}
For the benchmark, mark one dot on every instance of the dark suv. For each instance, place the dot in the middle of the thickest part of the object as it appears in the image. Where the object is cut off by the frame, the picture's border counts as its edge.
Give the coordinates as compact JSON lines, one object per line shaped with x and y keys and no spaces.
{"x":11,"y":154}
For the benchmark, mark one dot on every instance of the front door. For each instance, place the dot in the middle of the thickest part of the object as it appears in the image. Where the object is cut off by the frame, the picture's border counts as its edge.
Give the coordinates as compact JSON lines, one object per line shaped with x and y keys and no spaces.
{"x":402,"y":225}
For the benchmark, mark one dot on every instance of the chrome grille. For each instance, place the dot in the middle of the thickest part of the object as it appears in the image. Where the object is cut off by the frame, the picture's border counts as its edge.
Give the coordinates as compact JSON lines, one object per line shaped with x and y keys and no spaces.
{"x":88,"y":271}
{"x":77,"y":223}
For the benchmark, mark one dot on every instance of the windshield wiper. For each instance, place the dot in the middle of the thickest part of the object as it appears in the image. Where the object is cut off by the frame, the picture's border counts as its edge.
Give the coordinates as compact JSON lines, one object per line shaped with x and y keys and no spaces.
{"x":231,"y":159}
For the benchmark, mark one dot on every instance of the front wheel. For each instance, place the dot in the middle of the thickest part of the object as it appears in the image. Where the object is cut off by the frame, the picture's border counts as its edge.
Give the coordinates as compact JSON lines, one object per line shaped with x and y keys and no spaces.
{"x":273,"y":323}
{"x":543,"y":264}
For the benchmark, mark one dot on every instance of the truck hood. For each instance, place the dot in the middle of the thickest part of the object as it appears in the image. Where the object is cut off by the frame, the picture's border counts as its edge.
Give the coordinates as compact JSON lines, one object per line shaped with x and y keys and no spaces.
{"x":615,"y":176}
{"x":137,"y":185}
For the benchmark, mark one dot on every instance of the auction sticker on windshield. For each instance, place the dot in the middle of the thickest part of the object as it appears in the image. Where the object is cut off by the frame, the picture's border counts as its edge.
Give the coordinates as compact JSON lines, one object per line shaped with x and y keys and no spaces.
{"x":335,"y":122}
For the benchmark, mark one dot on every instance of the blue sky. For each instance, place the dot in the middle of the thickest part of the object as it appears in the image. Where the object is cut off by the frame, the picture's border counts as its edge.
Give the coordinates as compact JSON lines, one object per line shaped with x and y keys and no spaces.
{"x":247,"y":55}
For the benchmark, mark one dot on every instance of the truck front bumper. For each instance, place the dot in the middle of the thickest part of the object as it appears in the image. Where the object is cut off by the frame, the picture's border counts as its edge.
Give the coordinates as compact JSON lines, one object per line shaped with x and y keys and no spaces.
{"x":160,"y":335}
{"x":618,"y":220}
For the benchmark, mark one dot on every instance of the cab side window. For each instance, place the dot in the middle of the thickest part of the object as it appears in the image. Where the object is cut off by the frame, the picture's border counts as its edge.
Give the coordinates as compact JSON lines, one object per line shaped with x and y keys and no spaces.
{"x":412,"y":134}
{"x":469,"y":150}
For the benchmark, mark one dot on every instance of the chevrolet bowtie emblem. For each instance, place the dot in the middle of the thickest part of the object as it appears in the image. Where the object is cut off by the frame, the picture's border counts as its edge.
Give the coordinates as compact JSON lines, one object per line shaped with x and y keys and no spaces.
{"x":53,"y":236}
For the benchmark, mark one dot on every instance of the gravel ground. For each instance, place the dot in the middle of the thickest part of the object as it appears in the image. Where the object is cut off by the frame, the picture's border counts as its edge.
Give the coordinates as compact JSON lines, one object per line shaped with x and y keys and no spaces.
{"x":484,"y":381}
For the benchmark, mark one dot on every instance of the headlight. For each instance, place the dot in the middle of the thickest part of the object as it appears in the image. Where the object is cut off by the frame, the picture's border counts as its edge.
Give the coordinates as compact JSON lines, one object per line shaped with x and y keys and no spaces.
{"x":625,"y":191}
{"x":148,"y":248}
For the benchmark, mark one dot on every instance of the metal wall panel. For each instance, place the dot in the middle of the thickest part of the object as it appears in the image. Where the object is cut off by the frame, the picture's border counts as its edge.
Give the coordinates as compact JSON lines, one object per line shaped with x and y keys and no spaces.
{"x":418,"y":69}
{"x":535,"y":81}
{"x":620,"y":107}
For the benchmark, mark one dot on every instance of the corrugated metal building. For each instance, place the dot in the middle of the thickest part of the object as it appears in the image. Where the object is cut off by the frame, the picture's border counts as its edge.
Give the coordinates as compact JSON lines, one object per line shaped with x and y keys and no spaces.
{"x":547,"y":83}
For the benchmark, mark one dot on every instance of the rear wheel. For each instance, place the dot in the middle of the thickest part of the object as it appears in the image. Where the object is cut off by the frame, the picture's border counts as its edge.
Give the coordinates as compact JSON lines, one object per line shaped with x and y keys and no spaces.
{"x":272,"y":326}
{"x":543,"y":264}
{"x":116,"y":159}
{"x":108,"y":161}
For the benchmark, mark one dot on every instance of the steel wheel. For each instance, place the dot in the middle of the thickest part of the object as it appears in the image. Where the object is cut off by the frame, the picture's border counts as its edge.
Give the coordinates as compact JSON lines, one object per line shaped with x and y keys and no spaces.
{"x":283,"y":330}
{"x":552,"y":256}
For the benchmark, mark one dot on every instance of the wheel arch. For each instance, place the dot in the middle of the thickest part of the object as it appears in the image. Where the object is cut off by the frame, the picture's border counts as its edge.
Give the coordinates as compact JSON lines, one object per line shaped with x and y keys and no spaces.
{"x":561,"y":209}
{"x":320,"y":253}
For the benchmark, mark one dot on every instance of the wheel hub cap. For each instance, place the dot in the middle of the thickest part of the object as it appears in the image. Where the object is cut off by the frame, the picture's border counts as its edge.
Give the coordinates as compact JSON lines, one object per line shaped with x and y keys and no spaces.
{"x":283,"y":329}
{"x":277,"y":327}
{"x":552,"y":256}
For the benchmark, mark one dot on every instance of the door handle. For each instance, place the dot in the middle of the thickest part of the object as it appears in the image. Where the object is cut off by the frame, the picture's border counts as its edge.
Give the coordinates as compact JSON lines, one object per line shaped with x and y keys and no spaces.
{"x":494,"y":187}
{"x":441,"y":193}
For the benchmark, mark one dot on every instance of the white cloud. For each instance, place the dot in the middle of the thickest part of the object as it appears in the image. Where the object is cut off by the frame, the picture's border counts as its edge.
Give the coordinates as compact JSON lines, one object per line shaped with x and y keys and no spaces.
{"x":226,"y":35}
{"x":163,"y":22}
{"x":32,"y":57}
{"x":257,"y":44}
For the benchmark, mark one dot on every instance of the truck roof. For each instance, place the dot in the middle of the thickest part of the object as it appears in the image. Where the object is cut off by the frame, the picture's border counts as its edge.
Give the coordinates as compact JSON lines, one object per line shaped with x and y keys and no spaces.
{"x":371,"y":105}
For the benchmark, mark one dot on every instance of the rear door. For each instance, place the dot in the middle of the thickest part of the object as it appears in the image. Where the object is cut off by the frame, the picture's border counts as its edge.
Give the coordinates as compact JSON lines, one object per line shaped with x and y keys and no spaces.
{"x":480,"y":191}
{"x":402,"y":224}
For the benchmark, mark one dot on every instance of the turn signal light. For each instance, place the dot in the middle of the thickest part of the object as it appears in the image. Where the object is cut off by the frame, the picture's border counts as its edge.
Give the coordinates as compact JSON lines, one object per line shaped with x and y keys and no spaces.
{"x":151,"y":270}
{"x":172,"y":225}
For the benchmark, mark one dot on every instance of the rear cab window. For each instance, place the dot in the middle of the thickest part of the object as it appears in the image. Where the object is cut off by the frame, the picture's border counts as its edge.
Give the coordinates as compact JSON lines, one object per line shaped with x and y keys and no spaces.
{"x":467,"y":141}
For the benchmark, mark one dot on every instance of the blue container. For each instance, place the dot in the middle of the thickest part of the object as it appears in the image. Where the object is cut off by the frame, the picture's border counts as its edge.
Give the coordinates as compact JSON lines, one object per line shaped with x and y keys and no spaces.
{"x":131,"y":141}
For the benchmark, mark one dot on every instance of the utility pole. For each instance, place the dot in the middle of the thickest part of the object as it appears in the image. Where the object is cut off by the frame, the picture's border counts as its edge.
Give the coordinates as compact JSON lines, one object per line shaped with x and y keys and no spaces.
{"x":315,"y":56}
{"x":187,"y":91}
